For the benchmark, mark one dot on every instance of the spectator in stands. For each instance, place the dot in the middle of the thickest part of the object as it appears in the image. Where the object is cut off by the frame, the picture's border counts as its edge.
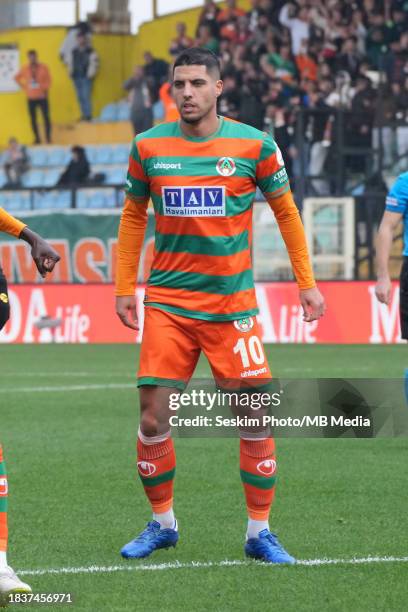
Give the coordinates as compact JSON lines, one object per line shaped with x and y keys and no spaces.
{"x":251,"y":109}
{"x":349,"y":58}
{"x":318,"y":132}
{"x":230,"y":13}
{"x":71,"y":40}
{"x":206,"y":40}
{"x":165,"y":95}
{"x":83,"y":66}
{"x":254,"y":15}
{"x":182,"y":41}
{"x":35,"y":79}
{"x":279,"y":65}
{"x":16,"y":162}
{"x":297,"y":22}
{"x":208,"y":17}
{"x":140,"y":98}
{"x":400,"y":94}
{"x":306,"y":63}
{"x":276,"y":124}
{"x":156,"y":72}
{"x":362,"y":118}
{"x":78,"y":169}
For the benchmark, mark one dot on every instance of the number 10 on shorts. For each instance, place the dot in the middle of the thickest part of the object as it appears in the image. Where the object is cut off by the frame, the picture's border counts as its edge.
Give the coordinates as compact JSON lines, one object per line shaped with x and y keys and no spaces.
{"x":253,"y":348}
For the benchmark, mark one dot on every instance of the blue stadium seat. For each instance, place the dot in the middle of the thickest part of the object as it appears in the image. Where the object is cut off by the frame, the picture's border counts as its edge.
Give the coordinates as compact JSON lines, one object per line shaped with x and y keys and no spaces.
{"x":92,"y":154}
{"x":15,"y":200}
{"x":58,"y":156}
{"x":38,"y":156}
{"x":33,"y":178}
{"x":158,"y":111}
{"x":121,"y":154}
{"x":52,"y":200}
{"x":104,"y":154}
{"x":95,"y":198}
{"x":109,"y":113}
{"x":51,"y":176}
{"x":3,"y":178}
{"x":123,"y":111}
{"x":115,"y":175}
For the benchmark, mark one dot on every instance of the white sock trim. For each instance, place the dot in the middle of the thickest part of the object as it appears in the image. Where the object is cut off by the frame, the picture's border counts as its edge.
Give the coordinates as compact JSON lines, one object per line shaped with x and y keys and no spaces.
{"x":260,"y":435}
{"x":167,"y":519}
{"x":254,"y":527}
{"x":149,"y":440}
{"x":3,"y":558}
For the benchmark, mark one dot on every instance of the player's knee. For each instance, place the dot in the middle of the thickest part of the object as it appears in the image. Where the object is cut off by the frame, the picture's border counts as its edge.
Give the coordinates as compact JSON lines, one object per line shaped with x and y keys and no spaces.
{"x":149,"y":423}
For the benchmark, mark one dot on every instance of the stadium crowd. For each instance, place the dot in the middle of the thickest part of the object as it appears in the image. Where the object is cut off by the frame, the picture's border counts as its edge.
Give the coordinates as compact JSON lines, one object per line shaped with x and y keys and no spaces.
{"x":317,"y":55}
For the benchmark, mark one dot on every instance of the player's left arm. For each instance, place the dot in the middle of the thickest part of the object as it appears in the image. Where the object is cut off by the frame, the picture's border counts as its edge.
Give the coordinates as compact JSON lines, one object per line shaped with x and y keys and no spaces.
{"x":273,"y":180}
{"x":45,"y":257}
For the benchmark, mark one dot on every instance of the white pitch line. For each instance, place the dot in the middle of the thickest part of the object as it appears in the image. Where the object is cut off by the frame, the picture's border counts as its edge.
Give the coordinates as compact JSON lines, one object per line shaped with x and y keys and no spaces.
{"x":64,"y":389}
{"x":110,"y":569}
{"x":4,"y":374}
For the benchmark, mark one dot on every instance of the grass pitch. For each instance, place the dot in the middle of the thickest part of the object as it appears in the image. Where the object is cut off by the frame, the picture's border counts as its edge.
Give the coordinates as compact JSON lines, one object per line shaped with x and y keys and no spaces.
{"x":75,"y":498}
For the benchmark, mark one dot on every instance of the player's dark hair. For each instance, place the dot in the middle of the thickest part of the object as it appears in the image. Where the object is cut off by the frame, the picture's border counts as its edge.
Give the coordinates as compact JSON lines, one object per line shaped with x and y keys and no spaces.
{"x":196,"y":56}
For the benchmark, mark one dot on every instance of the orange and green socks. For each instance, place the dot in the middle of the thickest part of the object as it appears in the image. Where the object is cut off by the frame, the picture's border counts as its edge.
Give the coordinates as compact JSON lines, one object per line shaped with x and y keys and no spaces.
{"x":156,"y":464}
{"x":3,"y":512}
{"x":258,"y":475}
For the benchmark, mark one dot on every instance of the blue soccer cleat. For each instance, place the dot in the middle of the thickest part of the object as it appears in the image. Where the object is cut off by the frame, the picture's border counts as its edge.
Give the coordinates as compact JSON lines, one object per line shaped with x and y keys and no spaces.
{"x":151,"y":539}
{"x":266,"y":547}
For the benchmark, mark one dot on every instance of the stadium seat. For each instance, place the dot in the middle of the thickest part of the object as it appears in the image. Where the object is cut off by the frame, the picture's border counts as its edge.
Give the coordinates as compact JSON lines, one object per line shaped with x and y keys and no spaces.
{"x":33,"y":178}
{"x":104,"y":154}
{"x":58,"y":156}
{"x":15,"y":200}
{"x":123,"y":111}
{"x":109,"y":113}
{"x":51,"y":176}
{"x":158,"y":111}
{"x":115,"y":175}
{"x":3,"y":178}
{"x":95,"y":198}
{"x":52,"y":200}
{"x":120,"y":154}
{"x":38,"y":156}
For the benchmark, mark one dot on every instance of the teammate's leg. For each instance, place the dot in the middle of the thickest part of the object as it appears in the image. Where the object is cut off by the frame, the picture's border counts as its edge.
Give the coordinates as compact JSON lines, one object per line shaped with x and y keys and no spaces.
{"x":9,"y":581}
{"x":403,"y":306}
{"x":168,"y":357}
{"x":3,"y":511}
{"x":237,"y":357}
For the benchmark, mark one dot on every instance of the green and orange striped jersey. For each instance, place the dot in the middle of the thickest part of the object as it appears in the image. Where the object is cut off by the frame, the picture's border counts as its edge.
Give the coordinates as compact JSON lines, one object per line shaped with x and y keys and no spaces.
{"x":202,"y":191}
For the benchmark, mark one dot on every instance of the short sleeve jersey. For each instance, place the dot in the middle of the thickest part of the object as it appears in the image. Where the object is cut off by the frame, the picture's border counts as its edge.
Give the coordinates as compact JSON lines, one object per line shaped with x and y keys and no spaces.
{"x":202,"y":191}
{"x":397,"y":201}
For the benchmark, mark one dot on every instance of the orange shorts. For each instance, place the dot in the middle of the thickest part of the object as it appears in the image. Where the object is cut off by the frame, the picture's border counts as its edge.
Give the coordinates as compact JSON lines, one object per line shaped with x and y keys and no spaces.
{"x":171,"y":347}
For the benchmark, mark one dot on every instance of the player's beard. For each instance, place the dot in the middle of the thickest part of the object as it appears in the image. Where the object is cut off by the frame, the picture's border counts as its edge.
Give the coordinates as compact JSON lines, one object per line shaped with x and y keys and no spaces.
{"x":195,"y":120}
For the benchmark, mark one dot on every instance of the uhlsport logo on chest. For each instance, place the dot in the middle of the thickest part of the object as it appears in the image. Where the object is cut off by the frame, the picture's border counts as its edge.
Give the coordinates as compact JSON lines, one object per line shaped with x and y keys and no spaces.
{"x":205,"y":201}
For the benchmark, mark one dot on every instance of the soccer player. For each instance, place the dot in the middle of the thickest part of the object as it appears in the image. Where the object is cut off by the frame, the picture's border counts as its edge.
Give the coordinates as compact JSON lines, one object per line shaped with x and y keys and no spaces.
{"x":45,"y":258}
{"x":201,"y":174}
{"x":396,"y":208}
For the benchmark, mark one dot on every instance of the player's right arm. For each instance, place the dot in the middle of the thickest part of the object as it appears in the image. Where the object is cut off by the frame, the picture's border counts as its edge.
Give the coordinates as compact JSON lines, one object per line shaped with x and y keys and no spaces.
{"x":132,"y":229}
{"x":395,"y":206}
